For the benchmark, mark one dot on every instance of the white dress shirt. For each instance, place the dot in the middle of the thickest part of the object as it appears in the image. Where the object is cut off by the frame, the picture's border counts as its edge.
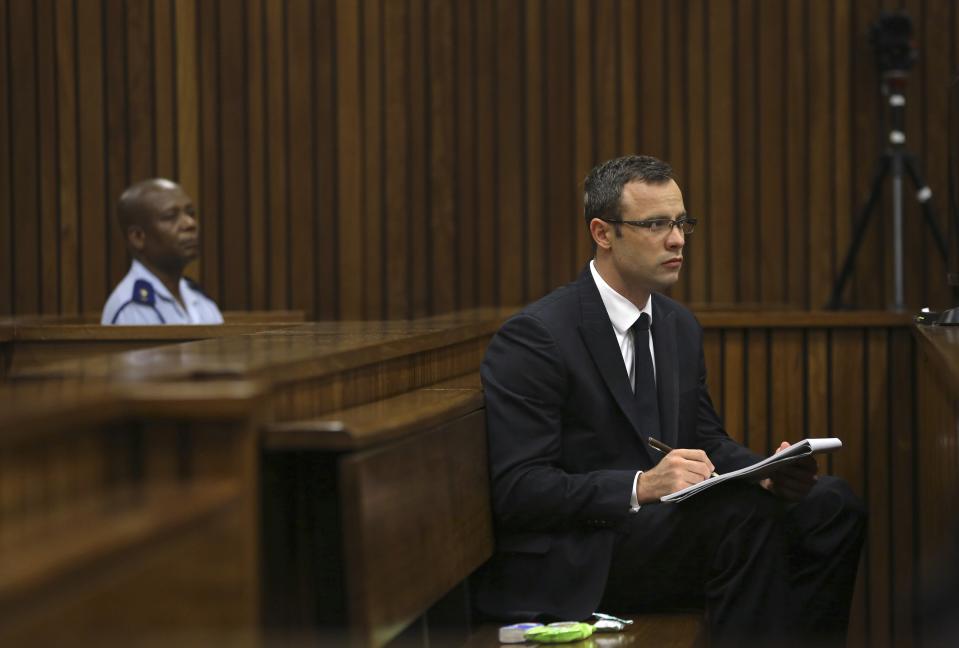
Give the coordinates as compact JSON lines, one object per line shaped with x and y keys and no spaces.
{"x":623,"y":314}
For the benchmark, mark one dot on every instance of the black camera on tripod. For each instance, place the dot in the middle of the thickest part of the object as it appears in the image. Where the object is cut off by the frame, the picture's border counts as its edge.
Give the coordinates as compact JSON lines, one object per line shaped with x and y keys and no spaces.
{"x":891,"y":38}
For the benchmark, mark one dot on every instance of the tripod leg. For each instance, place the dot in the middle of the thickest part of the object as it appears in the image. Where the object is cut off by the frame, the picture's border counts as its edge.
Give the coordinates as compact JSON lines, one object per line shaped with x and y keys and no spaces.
{"x":874,"y":194}
{"x":924,"y":195}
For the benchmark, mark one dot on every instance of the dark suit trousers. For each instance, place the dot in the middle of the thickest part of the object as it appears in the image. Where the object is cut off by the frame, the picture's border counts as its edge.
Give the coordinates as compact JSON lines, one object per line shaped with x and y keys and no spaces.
{"x":767,"y":572}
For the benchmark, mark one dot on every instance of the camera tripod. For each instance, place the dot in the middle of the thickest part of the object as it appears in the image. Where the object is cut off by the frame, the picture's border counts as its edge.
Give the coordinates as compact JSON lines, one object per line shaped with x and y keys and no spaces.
{"x":894,"y":161}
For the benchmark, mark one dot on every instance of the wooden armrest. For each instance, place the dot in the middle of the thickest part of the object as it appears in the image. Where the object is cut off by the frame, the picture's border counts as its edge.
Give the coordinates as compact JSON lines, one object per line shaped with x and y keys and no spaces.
{"x":373,"y":423}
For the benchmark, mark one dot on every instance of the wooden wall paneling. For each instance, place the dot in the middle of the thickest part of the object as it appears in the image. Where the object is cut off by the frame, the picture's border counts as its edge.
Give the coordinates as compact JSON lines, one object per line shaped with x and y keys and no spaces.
{"x":848,"y":407}
{"x":374,"y":205}
{"x":324,"y":252}
{"x":842,"y":205}
{"x":696,"y":252}
{"x":466,"y":137}
{"x":650,"y":41}
{"x":677,"y":134}
{"x":277,"y":138}
{"x":787,"y":357}
{"x":210,"y":210}
{"x":302,"y":121}
{"x":734,"y":383}
{"x":256,"y":188}
{"x":24,"y":189}
{"x":418,"y":237}
{"x":6,"y":161}
{"x":233,"y":150}
{"x":746,"y":216}
{"x":47,"y":147}
{"x":758,"y":391}
{"x":902,"y":476}
{"x":820,"y":239}
{"x":347,"y":218}
{"x":538,"y":219}
{"x":916,"y":240}
{"x":722,"y":254}
{"x":582,"y":130}
{"x":139,"y":94}
{"x":66,"y":101}
{"x":187,"y":109}
{"x":817,"y":388}
{"x":164,"y":105}
{"x":937,"y":72}
{"x":868,"y":140}
{"x":771,"y":139}
{"x":118,"y":142}
{"x":607,"y":75}
{"x":92,"y":181}
{"x":796,"y":123}
{"x":565,"y":222}
{"x":511,"y":225}
{"x":632,"y":72}
{"x":878,"y":493}
{"x":715,"y":373}
{"x":487,"y":199}
{"x":397,"y":157}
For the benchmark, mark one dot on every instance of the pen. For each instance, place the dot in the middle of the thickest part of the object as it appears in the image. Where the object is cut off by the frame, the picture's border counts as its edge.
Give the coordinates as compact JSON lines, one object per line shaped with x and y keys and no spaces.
{"x":665,"y":449}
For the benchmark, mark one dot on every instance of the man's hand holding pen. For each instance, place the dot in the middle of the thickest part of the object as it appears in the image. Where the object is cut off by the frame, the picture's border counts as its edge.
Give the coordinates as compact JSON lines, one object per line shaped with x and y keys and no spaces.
{"x":794,"y":480}
{"x":677,"y":470}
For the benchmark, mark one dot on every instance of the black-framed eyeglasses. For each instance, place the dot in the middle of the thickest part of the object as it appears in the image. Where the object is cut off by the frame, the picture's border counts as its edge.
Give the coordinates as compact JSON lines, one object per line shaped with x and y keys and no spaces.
{"x":660,"y":225}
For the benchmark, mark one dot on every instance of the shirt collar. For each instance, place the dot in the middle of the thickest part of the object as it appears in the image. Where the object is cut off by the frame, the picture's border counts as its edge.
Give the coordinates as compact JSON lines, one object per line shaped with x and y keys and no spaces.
{"x":140,"y":271}
{"x":622,"y":312}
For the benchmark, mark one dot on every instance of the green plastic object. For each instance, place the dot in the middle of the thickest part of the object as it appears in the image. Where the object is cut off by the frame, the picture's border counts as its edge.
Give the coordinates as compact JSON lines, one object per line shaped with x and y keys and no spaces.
{"x":559,"y":633}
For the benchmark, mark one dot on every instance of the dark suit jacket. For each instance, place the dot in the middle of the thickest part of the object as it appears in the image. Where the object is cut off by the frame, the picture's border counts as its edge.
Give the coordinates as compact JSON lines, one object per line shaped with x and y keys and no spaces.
{"x":565,"y":442}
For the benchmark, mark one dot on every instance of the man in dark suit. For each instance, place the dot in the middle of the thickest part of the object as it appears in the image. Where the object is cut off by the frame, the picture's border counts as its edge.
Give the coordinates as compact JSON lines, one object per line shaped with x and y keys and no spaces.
{"x":575,"y":385}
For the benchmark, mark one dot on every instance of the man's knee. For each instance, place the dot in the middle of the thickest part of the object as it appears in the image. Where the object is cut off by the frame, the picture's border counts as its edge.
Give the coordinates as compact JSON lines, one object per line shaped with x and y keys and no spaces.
{"x":831,"y":506}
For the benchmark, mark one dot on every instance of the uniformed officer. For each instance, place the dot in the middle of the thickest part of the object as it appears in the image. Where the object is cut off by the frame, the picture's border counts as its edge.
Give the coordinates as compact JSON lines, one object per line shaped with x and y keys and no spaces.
{"x":159,"y":224}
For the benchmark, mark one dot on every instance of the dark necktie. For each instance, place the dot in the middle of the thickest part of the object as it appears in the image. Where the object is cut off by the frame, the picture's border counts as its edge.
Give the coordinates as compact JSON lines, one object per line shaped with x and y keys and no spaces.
{"x":645,"y":383}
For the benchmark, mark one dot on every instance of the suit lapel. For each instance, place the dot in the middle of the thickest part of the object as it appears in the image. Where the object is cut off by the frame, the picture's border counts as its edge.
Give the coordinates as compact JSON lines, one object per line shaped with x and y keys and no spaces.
{"x":667,"y":373}
{"x":600,"y":340}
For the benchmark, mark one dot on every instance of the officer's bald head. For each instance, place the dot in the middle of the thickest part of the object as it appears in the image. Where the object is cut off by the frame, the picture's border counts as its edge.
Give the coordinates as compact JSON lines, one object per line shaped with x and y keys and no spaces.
{"x":138,"y":204}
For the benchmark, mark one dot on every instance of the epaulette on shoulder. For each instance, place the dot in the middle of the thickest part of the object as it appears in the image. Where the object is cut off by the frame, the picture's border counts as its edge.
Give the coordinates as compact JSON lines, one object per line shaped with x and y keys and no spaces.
{"x":195,"y":287}
{"x":143,"y":293}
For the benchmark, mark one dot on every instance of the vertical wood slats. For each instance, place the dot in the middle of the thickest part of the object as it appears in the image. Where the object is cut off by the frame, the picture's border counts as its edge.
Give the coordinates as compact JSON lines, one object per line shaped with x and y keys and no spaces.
{"x":396,"y":158}
{"x":773,"y":384}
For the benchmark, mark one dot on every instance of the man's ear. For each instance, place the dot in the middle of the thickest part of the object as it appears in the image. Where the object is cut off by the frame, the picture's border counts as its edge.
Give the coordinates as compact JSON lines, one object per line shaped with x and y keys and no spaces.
{"x":136,"y":237}
{"x":600,"y":231}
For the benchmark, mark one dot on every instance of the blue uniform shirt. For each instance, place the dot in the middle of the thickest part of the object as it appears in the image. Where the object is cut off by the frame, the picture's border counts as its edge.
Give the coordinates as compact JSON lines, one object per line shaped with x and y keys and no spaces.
{"x":141,"y":298}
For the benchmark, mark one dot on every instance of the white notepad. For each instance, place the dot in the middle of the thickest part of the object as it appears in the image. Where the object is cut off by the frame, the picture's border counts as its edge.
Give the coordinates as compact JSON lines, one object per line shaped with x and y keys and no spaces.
{"x":761,"y":469}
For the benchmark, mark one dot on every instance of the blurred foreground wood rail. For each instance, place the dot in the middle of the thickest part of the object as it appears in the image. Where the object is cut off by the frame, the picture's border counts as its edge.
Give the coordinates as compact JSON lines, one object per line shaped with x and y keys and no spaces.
{"x":31,"y":341}
{"x":124,"y":521}
{"x":356,"y":425}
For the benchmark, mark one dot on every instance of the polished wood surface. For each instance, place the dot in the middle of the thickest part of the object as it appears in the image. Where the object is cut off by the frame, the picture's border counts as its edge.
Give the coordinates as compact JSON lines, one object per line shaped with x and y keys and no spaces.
{"x":458,"y":133}
{"x":665,"y":630}
{"x":381,"y":421}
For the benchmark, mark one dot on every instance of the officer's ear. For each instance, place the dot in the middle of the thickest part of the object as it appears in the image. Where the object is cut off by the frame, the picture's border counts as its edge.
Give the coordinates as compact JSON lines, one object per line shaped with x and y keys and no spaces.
{"x":136,"y":237}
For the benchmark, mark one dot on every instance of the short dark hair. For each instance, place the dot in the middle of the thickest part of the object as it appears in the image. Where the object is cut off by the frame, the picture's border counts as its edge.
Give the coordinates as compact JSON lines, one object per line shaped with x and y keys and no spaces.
{"x":603,"y":186}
